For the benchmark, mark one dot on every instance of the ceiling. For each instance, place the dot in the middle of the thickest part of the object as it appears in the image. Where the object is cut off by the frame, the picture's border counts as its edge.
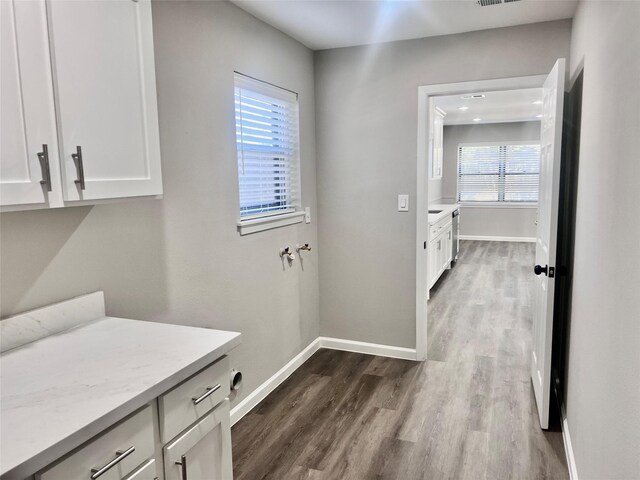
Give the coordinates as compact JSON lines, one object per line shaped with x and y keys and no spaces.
{"x":494,"y":107}
{"x":322,"y":24}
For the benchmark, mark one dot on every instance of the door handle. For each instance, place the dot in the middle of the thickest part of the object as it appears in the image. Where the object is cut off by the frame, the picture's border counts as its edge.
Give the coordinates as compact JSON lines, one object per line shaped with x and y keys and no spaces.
{"x":77,"y":157}
{"x":538,"y":269}
{"x":43,"y":156}
{"x":547,"y":270}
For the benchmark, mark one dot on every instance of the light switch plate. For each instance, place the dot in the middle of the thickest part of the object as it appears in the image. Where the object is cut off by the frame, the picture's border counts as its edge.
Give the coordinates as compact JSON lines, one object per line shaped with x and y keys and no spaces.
{"x":307,"y":215}
{"x":403,"y":203}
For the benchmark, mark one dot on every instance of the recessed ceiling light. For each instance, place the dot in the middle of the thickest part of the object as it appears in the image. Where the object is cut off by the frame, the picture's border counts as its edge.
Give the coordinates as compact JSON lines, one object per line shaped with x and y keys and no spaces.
{"x":537,"y":102}
{"x":477,"y":119}
{"x":539,"y":116}
{"x":472,"y":96}
{"x":463,"y":108}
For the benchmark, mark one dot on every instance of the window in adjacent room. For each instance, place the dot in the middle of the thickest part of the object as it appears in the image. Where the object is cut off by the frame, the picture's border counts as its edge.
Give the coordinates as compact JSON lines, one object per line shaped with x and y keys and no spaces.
{"x":498,"y":173}
{"x":268,"y":149}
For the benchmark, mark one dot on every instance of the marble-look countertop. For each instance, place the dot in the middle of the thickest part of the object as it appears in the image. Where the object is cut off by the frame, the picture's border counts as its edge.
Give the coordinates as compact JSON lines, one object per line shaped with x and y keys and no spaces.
{"x":60,"y":391}
{"x":447,"y":210}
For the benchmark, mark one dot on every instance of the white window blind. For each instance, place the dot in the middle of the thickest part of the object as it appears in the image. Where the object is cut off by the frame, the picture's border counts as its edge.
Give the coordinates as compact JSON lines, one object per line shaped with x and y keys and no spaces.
{"x":498,"y":173}
{"x":267,"y":145}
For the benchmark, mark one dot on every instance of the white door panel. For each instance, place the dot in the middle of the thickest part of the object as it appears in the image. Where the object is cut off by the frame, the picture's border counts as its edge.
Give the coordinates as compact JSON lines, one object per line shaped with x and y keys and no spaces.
{"x":546,"y":237}
{"x":27,"y":113}
{"x":104,"y":82}
{"x":203,"y":452}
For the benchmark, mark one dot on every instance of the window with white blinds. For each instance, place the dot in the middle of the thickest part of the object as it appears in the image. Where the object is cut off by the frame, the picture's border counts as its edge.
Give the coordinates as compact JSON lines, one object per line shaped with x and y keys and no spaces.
{"x":500,"y":173}
{"x":267,"y":145}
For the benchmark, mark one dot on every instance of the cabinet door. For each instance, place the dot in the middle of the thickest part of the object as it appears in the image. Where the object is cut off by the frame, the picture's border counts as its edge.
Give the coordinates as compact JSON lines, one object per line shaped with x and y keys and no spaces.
{"x":104,"y":83}
{"x":27,"y":114}
{"x":433,"y":262}
{"x":441,"y":253}
{"x":448,"y":239}
{"x":202,"y":452}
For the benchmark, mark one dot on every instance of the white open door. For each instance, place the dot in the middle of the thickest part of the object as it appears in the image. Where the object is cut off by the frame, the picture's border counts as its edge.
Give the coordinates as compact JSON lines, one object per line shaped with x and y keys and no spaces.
{"x":546,"y":237}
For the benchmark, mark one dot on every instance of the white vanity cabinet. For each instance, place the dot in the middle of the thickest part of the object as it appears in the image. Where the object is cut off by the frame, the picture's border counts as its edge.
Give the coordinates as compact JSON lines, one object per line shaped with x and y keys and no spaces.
{"x":155,"y":391}
{"x":80,"y":79}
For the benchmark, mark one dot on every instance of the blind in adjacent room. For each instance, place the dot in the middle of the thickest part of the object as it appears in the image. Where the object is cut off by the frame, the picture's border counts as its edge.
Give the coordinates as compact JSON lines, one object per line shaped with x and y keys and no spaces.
{"x":505,"y":172}
{"x":267,"y":145}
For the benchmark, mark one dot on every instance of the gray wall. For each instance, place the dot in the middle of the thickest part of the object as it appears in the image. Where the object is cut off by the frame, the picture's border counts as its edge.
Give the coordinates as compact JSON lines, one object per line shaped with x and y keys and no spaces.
{"x":366,"y":107}
{"x":603,"y":391}
{"x":180,"y":259}
{"x":488,"y":221}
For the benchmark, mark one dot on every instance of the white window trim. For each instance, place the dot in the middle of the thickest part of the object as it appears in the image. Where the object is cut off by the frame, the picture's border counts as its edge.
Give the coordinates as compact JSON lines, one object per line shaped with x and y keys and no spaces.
{"x":278,"y":218}
{"x":493,"y":204}
{"x":261,"y":223}
{"x":497,"y":204}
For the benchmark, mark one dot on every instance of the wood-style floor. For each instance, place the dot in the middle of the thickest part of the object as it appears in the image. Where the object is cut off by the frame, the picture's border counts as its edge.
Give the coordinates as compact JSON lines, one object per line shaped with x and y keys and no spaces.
{"x":466,"y":413}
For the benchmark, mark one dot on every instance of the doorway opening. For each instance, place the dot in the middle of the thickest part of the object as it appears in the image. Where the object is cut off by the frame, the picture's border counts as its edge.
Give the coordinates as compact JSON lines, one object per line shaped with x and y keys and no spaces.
{"x":486,"y":150}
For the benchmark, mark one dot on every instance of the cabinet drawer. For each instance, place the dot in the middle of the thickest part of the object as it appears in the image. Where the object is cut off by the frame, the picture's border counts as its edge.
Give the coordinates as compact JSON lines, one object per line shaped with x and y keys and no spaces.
{"x":145,"y":472}
{"x":124,"y":447}
{"x":189,"y":401}
{"x":439,"y":226}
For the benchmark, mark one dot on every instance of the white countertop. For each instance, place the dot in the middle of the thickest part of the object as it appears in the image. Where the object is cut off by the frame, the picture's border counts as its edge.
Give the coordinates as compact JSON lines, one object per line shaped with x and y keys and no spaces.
{"x":60,"y":391}
{"x":447,"y":210}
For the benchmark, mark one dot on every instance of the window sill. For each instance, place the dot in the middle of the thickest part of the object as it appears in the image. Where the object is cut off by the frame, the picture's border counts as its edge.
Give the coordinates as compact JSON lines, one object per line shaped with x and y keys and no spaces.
{"x":254,"y":225}
{"x":498,"y":205}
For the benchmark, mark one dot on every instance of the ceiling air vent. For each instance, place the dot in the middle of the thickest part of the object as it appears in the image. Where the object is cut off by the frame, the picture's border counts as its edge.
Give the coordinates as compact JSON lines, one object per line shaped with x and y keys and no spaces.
{"x":486,"y":3}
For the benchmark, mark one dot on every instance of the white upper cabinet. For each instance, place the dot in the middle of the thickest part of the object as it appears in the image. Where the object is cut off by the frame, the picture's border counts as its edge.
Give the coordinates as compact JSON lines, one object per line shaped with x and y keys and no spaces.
{"x":28,"y":127}
{"x":78,"y":83}
{"x":438,"y":143}
{"x":105,"y":90}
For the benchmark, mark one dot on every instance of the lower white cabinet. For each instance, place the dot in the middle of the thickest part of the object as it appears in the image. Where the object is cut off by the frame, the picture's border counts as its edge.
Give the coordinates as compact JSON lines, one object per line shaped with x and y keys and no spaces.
{"x":440,"y":252}
{"x":203,"y":452}
{"x":133,"y":448}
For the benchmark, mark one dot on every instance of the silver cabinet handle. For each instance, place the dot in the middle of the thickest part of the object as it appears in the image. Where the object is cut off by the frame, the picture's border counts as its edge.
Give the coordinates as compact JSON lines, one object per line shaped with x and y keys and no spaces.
{"x":96,"y":472}
{"x":183,"y":466}
{"x":77,"y":157}
{"x":43,"y":156}
{"x":210,"y":390}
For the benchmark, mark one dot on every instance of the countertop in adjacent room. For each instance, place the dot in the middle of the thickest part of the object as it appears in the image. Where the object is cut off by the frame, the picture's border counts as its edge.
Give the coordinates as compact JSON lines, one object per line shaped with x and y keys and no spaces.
{"x":447,"y":210}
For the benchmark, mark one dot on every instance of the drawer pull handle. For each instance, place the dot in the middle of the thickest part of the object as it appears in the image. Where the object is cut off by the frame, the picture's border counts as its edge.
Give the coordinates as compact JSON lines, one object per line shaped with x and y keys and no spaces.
{"x":97,"y":472}
{"x":183,"y":466}
{"x":210,"y":390}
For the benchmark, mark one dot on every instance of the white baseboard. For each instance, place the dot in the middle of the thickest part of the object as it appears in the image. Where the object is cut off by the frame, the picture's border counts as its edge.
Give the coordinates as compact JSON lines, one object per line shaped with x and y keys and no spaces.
{"x":260,"y":393}
{"x":568,"y":448}
{"x":498,"y":239}
{"x":368,"y":348}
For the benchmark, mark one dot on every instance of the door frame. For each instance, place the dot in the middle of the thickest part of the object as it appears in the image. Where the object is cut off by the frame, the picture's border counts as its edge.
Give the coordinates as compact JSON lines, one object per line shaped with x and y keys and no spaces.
{"x":425,"y":92}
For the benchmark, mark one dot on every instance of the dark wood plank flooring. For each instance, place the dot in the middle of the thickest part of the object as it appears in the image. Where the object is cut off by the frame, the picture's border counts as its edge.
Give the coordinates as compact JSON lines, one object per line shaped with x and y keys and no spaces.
{"x":466,"y":413}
